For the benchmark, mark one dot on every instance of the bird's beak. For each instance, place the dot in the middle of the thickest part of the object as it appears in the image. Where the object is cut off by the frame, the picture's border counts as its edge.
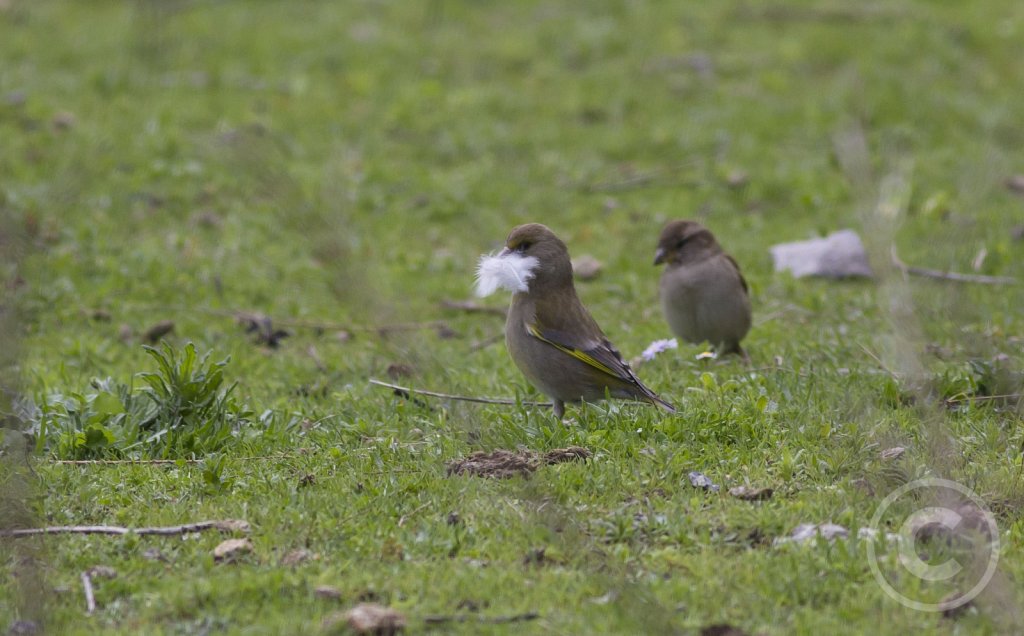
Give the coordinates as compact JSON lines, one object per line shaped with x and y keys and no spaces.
{"x":503,"y":253}
{"x":659,"y":256}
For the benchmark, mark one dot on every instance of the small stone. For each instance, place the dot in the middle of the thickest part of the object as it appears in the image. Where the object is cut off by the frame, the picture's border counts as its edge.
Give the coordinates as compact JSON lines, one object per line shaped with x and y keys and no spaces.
{"x":370,"y":618}
{"x":737,"y":179}
{"x":297,"y":556}
{"x":702,"y":481}
{"x":64,"y":120}
{"x":158,"y":331}
{"x":232,"y":548}
{"x":327,"y":592}
{"x":751,"y":494}
{"x":586,"y":267}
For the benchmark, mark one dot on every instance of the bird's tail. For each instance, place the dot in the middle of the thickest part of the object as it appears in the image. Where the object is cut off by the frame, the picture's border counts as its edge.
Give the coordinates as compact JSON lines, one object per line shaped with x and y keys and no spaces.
{"x":654,"y":399}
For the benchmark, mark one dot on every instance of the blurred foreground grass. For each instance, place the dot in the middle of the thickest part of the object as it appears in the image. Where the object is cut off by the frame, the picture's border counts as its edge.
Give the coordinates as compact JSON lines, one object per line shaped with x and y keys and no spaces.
{"x":339,"y":167}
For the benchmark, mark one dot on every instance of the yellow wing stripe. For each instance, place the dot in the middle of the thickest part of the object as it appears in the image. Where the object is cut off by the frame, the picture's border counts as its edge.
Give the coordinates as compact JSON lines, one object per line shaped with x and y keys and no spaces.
{"x":576,"y":353}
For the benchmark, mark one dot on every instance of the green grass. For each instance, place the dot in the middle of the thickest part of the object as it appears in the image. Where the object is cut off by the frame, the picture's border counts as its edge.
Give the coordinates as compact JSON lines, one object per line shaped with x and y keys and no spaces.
{"x":345,"y":164}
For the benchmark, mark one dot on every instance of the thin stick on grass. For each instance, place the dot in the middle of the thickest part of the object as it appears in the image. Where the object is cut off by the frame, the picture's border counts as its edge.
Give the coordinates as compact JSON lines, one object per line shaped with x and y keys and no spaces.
{"x":90,"y":599}
{"x":157,"y":462}
{"x":406,"y":391}
{"x":258,"y":318}
{"x":406,"y":517}
{"x":981,"y":398}
{"x":493,"y":620}
{"x":226,"y":525}
{"x":951,"y":276}
{"x":637,"y":180}
{"x":486,"y":342}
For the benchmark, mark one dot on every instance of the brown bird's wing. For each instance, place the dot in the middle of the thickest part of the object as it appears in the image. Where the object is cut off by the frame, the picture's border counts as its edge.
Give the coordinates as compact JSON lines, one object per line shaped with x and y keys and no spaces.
{"x":598,"y":353}
{"x":736,"y":266}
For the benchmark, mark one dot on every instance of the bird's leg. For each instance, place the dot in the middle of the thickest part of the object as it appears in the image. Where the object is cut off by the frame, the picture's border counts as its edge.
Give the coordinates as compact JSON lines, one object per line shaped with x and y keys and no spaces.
{"x":559,"y":409}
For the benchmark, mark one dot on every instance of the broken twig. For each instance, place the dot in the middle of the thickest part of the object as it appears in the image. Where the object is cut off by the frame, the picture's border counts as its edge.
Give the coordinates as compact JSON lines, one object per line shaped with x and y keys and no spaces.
{"x":159,"y":462}
{"x":486,"y":342}
{"x":982,"y":398}
{"x":90,"y":599}
{"x":405,"y":392}
{"x":951,"y":276}
{"x":249,"y":317}
{"x":493,"y":620}
{"x":226,"y":525}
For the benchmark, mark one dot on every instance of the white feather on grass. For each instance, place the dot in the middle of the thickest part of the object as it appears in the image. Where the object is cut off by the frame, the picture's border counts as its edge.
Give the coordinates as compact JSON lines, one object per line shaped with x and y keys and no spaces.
{"x":658,"y":346}
{"x":511,"y":271}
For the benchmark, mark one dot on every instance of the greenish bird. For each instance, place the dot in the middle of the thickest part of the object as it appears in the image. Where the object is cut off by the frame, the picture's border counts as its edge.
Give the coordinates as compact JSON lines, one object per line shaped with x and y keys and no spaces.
{"x":550,"y":335}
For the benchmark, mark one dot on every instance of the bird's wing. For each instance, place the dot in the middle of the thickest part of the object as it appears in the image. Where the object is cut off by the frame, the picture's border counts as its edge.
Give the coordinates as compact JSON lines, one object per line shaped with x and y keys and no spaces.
{"x":736,"y":266}
{"x":598,"y":353}
{"x":601,"y":355}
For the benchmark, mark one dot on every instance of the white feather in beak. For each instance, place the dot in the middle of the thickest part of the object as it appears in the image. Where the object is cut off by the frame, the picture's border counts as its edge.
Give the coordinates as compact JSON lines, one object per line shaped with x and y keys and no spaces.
{"x":506,"y":270}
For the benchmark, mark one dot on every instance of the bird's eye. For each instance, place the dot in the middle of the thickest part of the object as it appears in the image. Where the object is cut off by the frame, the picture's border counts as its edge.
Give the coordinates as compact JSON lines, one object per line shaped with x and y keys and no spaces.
{"x":680,"y":244}
{"x":522,"y":247}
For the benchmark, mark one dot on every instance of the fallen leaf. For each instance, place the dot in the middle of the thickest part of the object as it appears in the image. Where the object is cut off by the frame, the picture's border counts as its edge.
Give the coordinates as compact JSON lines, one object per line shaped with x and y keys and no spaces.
{"x":157,"y":331}
{"x":503,"y":464}
{"x":895,"y":452}
{"x":586,"y":267}
{"x":572,"y":453}
{"x":370,"y":618}
{"x":327,"y":592}
{"x":500,"y":464}
{"x":751,"y":494}
{"x":398,"y":370}
{"x":702,"y":481}
{"x":232,"y":548}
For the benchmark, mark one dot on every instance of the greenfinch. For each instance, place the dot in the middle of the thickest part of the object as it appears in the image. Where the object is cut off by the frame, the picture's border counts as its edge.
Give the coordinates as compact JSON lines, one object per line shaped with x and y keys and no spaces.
{"x":703,"y":294}
{"x":550,"y":335}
